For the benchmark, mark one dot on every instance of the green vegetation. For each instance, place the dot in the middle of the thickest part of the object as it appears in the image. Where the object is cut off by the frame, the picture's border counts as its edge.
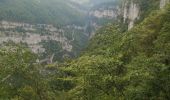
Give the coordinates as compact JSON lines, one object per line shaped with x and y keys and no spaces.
{"x":19,"y":76}
{"x":57,"y":12}
{"x":52,"y":47}
{"x":117,"y":65}
{"x":132,"y":65}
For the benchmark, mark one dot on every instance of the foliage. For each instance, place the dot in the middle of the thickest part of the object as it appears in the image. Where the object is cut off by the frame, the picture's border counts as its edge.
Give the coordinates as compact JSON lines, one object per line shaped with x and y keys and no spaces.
{"x":57,"y":12}
{"x":134,"y":65}
{"x":19,"y":75}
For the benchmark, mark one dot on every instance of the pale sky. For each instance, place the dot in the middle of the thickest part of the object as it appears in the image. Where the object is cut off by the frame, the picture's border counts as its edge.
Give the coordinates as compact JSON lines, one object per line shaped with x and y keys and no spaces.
{"x":80,"y":1}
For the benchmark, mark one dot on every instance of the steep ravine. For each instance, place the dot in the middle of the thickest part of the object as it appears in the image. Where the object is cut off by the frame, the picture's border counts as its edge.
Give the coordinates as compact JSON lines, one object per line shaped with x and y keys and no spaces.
{"x":43,"y":39}
{"x":71,"y":38}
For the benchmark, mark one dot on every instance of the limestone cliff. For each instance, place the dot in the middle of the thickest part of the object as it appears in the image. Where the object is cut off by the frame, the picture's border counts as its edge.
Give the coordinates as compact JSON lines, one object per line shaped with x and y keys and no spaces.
{"x":132,"y":10}
{"x":29,"y":34}
{"x":130,"y":13}
{"x":163,"y":3}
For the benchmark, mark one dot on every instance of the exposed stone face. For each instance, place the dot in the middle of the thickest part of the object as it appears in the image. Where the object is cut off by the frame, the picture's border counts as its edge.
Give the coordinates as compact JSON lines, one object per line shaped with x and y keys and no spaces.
{"x":31,"y":37}
{"x":104,"y":14}
{"x":75,"y":27}
{"x":129,"y":10}
{"x":163,"y":3}
{"x":125,"y":12}
{"x":98,"y":15}
{"x":131,"y":13}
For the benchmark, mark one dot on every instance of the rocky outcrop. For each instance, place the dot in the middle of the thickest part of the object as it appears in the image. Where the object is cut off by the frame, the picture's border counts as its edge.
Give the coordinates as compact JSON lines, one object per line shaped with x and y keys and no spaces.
{"x":101,"y":15}
{"x":130,"y":13}
{"x":29,"y":34}
{"x":163,"y":3}
{"x":104,"y":13}
{"x":129,"y":10}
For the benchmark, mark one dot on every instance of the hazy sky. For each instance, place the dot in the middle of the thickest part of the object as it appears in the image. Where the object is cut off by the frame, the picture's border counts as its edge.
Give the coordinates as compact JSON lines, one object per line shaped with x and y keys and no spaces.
{"x":81,"y":1}
{"x":94,"y":1}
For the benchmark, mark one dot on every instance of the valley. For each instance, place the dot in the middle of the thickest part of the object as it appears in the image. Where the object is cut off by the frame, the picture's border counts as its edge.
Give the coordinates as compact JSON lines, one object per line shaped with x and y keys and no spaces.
{"x":68,"y":38}
{"x":84,"y":49}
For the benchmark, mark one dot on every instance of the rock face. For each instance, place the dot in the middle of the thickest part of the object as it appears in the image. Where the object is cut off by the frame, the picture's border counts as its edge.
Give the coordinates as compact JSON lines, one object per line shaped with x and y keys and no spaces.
{"x":128,"y":10}
{"x":130,"y":13}
{"x":100,"y":15}
{"x":163,"y":3}
{"x":105,"y":13}
{"x":29,"y":34}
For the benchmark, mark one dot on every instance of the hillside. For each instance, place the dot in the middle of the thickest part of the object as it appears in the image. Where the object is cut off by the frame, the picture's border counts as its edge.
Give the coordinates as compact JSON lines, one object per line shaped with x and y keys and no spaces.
{"x":133,"y":65}
{"x":126,"y":13}
{"x":56,"y":12}
{"x":53,"y":27}
{"x":127,"y":59}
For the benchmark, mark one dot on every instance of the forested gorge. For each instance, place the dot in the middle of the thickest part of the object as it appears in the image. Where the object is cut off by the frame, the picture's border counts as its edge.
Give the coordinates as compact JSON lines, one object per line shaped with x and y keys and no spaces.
{"x":118,"y":64}
{"x":40,"y":11}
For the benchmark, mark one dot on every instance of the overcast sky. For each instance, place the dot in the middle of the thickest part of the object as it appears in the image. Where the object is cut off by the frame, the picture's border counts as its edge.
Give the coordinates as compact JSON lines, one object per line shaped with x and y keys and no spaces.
{"x":80,"y":1}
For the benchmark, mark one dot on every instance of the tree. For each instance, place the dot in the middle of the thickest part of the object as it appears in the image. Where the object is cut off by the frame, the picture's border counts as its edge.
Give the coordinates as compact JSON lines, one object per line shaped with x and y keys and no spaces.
{"x":19,"y":75}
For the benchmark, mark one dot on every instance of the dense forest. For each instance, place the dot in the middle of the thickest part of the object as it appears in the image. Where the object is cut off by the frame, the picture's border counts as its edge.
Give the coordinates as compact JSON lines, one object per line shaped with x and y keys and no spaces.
{"x":57,"y":12}
{"x":118,"y":64}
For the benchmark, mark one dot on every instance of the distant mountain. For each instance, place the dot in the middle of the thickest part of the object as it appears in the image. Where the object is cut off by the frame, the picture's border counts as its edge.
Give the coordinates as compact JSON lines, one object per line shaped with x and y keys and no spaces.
{"x":63,"y":27}
{"x":47,"y":27}
{"x":130,"y":65}
{"x":41,"y":11}
{"x":128,"y":59}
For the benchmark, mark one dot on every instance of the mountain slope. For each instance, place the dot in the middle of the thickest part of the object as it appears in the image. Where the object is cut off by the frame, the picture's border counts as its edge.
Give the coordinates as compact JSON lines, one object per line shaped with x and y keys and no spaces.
{"x":40,"y":24}
{"x":118,"y":64}
{"x":40,"y":11}
{"x":132,"y":65}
